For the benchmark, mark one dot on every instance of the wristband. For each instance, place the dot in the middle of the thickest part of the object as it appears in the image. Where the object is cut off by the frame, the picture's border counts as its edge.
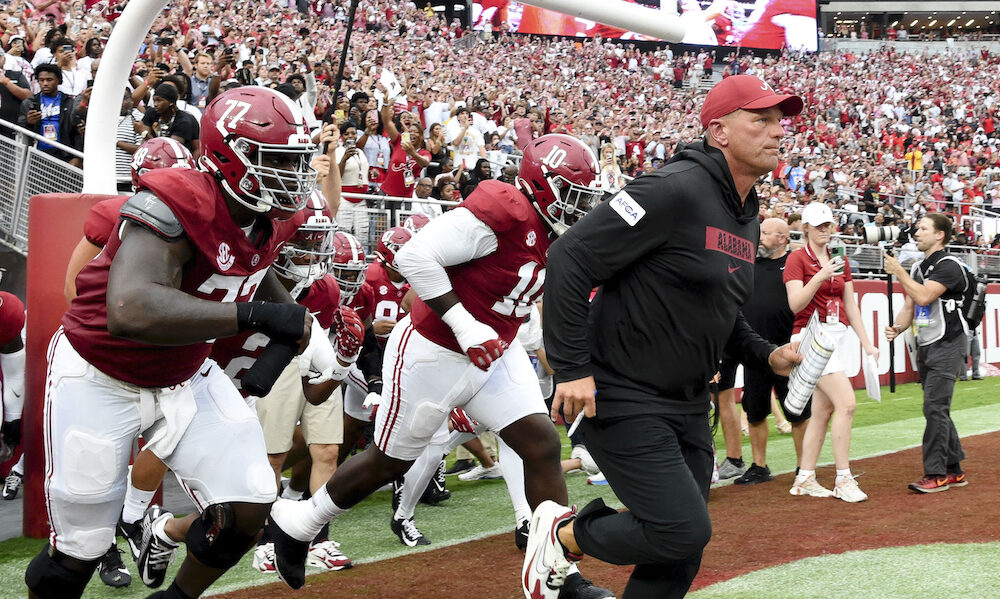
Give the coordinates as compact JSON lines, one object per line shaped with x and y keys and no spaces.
{"x":458,"y":318}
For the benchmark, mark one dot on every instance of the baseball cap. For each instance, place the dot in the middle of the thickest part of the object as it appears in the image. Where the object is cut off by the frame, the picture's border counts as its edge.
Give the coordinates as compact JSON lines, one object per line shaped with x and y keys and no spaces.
{"x":748,"y":92}
{"x":816,"y":214}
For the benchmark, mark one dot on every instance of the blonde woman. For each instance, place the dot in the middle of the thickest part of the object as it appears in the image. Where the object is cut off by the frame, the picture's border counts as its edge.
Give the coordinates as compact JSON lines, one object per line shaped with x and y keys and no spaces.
{"x":815,"y":282}
{"x":611,"y":174}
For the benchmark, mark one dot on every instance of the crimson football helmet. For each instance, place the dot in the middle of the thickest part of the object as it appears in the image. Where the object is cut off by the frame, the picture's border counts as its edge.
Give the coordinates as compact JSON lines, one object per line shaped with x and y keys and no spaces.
{"x":159,"y":152}
{"x":559,"y":173}
{"x":389,"y":244}
{"x":256,"y":143}
{"x":415,"y":222}
{"x":306,"y":257}
{"x":348,"y":265}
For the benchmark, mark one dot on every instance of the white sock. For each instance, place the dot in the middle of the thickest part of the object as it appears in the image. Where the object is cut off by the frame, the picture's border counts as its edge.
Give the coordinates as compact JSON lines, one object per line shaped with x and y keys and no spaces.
{"x":416,"y":479}
{"x":159,"y":529}
{"x":324,"y":509}
{"x":136,"y":502}
{"x":846,"y":473}
{"x":19,"y":466}
{"x":804,"y":474}
{"x":513,"y":474}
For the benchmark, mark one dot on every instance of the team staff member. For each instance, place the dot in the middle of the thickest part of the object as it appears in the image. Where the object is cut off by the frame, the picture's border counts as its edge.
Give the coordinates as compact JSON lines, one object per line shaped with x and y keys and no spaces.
{"x":768,"y":313}
{"x":936,"y":283}
{"x":674,"y":251}
{"x":815,"y":284}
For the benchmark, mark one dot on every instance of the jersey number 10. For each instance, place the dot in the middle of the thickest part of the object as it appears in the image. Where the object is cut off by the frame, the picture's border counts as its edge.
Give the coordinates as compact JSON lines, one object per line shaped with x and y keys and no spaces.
{"x":518,"y":302}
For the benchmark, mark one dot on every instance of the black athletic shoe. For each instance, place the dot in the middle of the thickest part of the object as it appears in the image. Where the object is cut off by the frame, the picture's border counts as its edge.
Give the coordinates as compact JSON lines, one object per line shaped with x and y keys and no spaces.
{"x":132,"y":533}
{"x":460,"y":466}
{"x":578,"y":587}
{"x":113,"y":571}
{"x":289,"y":557}
{"x":521,"y":536}
{"x":436,"y":492}
{"x":754,"y":474}
{"x":408,"y":534}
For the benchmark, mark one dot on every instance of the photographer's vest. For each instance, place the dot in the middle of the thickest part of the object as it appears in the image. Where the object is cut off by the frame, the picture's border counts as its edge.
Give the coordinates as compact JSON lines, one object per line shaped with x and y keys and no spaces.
{"x":945,"y":313}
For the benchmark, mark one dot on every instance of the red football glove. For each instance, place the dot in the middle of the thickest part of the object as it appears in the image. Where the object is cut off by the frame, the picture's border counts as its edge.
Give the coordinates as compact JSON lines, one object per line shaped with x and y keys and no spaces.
{"x":486,"y":353}
{"x":350,"y":333}
{"x":462,"y":422}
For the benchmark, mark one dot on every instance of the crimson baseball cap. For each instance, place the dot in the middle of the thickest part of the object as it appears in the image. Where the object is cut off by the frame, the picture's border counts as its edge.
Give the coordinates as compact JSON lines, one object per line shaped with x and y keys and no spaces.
{"x":748,"y":92}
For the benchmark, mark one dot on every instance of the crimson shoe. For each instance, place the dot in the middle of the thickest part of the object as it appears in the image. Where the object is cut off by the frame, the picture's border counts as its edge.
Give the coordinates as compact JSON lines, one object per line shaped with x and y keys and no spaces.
{"x":930,"y":484}
{"x":957,"y":479}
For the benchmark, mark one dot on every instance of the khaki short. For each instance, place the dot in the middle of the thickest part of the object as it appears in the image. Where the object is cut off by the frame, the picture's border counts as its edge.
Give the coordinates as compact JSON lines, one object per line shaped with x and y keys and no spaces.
{"x":285,"y":406}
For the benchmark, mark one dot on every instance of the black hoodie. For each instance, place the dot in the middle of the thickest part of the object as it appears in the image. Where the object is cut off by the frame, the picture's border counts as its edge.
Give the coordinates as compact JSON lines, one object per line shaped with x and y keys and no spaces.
{"x":673,"y":253}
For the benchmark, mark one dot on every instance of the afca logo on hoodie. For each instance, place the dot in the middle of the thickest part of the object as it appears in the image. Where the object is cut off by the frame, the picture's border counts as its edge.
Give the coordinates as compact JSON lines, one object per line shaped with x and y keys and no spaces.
{"x":627,"y":208}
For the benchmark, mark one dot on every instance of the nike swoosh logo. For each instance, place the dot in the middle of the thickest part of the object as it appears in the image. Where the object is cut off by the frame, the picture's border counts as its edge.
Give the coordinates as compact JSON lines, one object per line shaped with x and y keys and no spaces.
{"x":733,"y":269}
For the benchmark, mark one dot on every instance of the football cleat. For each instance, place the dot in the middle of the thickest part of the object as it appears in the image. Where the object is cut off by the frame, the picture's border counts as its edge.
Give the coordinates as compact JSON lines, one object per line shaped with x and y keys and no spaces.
{"x":112,"y":571}
{"x":408,"y":534}
{"x":291,"y":540}
{"x":155,"y":553}
{"x":521,"y":535}
{"x":132,"y":533}
{"x":12,"y":484}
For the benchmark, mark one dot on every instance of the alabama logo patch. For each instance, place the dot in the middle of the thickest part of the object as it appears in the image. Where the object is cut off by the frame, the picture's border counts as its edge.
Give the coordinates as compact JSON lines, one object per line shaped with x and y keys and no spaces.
{"x":627,"y":208}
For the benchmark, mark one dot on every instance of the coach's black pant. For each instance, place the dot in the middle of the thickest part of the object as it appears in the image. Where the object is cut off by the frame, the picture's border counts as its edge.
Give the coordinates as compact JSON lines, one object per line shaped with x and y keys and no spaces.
{"x":660,"y":467}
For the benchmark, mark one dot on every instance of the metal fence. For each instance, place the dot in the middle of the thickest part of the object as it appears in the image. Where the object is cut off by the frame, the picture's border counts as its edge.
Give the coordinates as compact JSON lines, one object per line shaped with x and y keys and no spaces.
{"x":26,"y":171}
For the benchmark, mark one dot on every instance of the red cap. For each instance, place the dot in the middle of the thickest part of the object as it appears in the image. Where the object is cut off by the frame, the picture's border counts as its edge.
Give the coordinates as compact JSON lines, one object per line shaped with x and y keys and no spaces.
{"x":748,"y":92}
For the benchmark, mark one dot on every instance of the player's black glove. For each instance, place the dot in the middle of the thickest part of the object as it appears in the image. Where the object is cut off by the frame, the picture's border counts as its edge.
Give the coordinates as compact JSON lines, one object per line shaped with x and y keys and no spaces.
{"x":280,"y":322}
{"x":12,"y":433}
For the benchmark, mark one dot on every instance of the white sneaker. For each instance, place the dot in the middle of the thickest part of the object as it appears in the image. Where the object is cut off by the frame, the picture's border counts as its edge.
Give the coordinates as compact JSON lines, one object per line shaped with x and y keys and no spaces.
{"x":586,"y":461}
{"x":327,"y":555}
{"x":481,"y":473}
{"x":597,"y":479}
{"x":847,"y":489}
{"x":263,"y":558}
{"x":545,"y":562}
{"x":809,"y":486}
{"x":728,"y":470}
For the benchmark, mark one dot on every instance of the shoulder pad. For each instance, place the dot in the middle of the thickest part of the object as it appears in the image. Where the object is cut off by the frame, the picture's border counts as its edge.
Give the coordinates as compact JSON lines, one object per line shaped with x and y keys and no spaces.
{"x":149,"y":210}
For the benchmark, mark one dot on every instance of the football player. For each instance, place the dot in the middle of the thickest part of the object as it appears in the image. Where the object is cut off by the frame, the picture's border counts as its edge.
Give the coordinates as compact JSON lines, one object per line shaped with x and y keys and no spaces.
{"x":183,"y":269}
{"x":477,"y":270}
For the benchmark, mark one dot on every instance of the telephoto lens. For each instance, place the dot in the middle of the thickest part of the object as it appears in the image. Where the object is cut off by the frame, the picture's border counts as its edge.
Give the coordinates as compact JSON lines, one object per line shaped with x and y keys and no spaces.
{"x":874,"y":235}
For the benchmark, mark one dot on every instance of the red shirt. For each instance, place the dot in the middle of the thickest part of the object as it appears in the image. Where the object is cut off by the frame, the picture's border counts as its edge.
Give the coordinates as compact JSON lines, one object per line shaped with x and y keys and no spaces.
{"x":11,"y":317}
{"x":226,"y":267}
{"x":801,"y":265}
{"x":363,"y":302}
{"x":500,"y":288}
{"x":403,"y":171}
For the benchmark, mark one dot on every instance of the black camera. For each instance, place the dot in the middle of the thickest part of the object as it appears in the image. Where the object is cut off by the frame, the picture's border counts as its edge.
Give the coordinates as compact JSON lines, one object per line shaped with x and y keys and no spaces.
{"x":164,"y":41}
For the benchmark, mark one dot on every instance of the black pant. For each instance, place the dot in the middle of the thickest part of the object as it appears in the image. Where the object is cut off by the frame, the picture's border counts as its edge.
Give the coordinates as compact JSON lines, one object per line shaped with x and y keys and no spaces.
{"x":660,"y":467}
{"x":937,"y":363}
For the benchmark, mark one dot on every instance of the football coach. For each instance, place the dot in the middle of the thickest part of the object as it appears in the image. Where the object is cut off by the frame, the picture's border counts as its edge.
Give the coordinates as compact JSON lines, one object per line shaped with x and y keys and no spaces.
{"x":673,"y":254}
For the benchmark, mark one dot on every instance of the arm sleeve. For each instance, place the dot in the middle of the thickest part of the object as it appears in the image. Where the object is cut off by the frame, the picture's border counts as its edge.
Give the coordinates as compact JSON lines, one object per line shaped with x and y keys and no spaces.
{"x":746,"y":344}
{"x":615,"y":234}
{"x":370,"y":359}
{"x":453,"y":238}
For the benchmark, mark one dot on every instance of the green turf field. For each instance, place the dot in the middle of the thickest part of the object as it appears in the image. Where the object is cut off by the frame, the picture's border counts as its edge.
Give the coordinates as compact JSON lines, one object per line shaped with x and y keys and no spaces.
{"x":482,"y":508}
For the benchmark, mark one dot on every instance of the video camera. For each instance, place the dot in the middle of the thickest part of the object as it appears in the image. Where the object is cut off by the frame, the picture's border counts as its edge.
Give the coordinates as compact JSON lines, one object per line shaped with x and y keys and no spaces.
{"x":874,"y":235}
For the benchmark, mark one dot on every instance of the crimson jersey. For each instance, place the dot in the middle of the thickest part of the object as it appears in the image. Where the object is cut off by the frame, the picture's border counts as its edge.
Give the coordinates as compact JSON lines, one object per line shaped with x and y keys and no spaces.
{"x":235,"y":355}
{"x":767,"y":34}
{"x":498,"y":289}
{"x":11,"y":317}
{"x":226,"y":267}
{"x":363,"y":302}
{"x":102,"y":219}
{"x":388,"y":300}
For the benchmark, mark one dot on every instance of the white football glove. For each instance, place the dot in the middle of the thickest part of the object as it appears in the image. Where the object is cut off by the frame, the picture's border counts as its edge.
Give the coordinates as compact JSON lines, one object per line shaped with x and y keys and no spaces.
{"x":319,"y":360}
{"x":479,"y":341}
{"x":372,"y":399}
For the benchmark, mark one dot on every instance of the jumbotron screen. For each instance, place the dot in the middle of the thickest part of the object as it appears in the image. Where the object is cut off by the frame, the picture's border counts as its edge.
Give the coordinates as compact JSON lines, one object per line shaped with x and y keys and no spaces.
{"x":769,"y":24}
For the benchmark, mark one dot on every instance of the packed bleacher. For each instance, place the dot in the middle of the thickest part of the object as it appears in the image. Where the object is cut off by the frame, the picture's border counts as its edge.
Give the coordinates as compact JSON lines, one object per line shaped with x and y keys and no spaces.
{"x":919,"y":137}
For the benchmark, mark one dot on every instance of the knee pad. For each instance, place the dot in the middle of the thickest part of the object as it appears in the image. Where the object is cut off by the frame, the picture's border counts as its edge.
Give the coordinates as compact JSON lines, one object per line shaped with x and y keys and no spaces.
{"x":216,"y":540}
{"x":53,"y":575}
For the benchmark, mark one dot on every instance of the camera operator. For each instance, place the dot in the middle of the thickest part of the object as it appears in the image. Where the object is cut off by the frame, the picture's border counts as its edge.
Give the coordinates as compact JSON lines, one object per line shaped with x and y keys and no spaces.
{"x":932,"y":290}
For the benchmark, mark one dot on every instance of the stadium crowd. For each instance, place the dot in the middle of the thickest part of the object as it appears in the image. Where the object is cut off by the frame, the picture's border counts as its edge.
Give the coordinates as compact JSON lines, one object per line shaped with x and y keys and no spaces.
{"x":428,"y":110}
